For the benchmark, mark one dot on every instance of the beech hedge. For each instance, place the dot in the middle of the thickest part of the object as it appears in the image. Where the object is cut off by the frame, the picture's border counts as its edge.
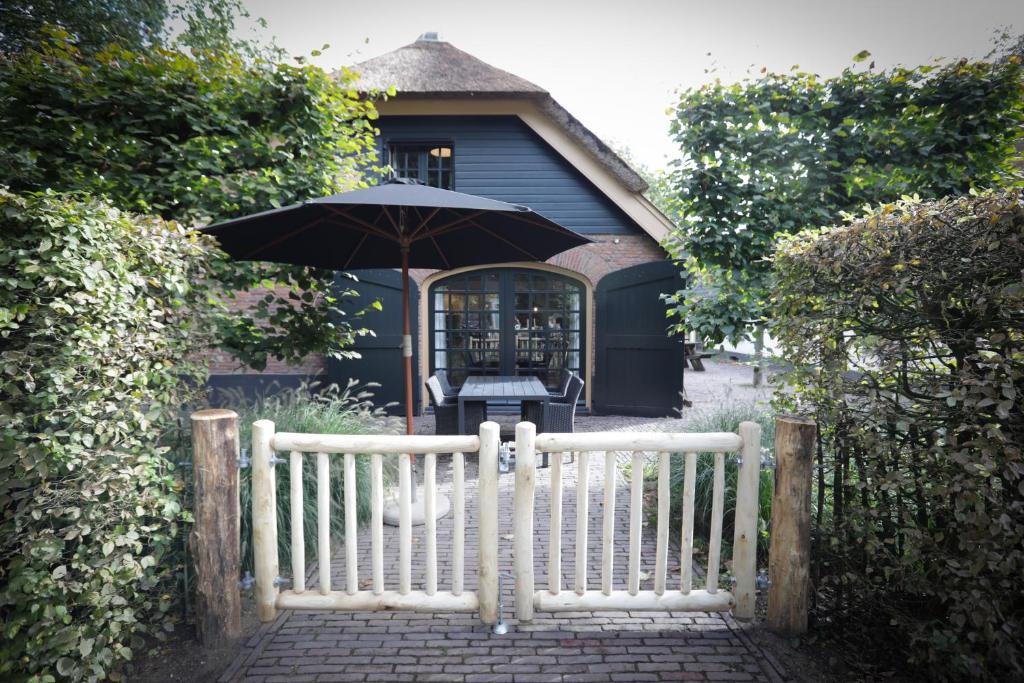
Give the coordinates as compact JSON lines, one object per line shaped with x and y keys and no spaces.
{"x":905,"y":328}
{"x":101,"y":315}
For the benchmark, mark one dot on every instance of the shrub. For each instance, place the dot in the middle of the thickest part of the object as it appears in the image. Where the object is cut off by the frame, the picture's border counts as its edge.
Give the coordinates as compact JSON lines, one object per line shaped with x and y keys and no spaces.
{"x":725,"y":418}
{"x":905,"y":331}
{"x":306,"y":409}
{"x":101,"y":314}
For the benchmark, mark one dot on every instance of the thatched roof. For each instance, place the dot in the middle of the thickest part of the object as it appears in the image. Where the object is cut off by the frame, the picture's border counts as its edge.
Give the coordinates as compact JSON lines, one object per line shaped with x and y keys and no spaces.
{"x":432,"y":68}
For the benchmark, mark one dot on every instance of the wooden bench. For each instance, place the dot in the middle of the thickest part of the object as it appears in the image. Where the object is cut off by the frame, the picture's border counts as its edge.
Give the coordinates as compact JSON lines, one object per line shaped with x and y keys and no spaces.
{"x":695,"y":357}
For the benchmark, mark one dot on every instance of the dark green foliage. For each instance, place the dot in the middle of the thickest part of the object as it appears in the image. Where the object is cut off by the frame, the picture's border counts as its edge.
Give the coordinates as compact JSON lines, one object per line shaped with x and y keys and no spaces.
{"x":101,"y":317}
{"x":94,"y":23}
{"x":905,"y":330}
{"x":197,"y":139}
{"x":784,"y":152}
{"x":105,"y":316}
{"x":137,"y":25}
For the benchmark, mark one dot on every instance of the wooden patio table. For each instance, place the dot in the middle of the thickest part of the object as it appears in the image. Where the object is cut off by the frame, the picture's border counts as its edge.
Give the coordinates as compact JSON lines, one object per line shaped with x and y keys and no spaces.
{"x":493,"y":388}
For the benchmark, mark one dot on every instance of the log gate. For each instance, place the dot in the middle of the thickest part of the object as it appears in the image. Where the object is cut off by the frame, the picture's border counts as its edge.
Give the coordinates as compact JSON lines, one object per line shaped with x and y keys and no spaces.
{"x":428,"y":598}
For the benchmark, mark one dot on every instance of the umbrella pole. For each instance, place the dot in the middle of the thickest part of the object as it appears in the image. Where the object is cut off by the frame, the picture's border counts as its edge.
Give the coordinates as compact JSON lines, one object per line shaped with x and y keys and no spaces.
{"x":407,"y":357}
{"x":407,"y":339}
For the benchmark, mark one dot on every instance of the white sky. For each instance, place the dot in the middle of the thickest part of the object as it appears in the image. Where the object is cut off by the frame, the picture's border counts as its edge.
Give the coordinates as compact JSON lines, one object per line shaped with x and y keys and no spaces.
{"x":615,"y":64}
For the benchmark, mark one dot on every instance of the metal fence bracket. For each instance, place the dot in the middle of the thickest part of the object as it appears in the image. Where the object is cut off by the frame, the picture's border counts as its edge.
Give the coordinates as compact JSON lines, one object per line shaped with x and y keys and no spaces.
{"x":247,"y":582}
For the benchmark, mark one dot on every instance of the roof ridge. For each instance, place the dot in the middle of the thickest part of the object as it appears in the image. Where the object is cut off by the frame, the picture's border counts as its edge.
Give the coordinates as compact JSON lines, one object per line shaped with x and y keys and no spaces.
{"x":436,"y":66}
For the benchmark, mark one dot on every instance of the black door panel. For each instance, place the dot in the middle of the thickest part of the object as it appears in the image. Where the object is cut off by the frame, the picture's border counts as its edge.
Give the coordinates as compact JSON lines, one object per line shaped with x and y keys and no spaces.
{"x":381,"y":356}
{"x":639,"y":368}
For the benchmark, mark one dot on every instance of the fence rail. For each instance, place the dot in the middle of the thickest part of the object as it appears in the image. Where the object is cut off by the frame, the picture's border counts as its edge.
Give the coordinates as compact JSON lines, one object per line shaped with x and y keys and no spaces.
{"x":429,"y":599}
{"x":609,"y":445}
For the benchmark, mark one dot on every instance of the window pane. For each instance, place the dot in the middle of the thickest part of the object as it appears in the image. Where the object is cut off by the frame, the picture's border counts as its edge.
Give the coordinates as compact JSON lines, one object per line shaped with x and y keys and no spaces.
{"x":431,"y":164}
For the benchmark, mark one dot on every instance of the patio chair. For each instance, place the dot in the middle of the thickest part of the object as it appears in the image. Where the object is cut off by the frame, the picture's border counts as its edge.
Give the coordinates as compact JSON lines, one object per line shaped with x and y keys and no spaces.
{"x":474,"y":362}
{"x":446,"y":412}
{"x":558,"y":415}
{"x":450,"y":392}
{"x":563,"y":384}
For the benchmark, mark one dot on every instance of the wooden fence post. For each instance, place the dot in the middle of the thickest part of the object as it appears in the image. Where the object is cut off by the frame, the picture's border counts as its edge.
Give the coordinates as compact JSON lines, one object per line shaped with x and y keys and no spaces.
{"x":744,"y":544}
{"x":214,"y":537}
{"x":487,"y":590}
{"x":264,"y":519}
{"x":789,"y":557}
{"x":522,"y":518}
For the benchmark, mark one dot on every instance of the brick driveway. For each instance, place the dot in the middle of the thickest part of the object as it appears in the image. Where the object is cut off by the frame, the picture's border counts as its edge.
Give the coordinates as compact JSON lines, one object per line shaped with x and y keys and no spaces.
{"x":581,"y":646}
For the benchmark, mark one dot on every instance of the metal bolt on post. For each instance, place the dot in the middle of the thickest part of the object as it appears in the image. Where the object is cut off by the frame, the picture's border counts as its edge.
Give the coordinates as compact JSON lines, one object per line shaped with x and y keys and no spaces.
{"x":501,"y":628}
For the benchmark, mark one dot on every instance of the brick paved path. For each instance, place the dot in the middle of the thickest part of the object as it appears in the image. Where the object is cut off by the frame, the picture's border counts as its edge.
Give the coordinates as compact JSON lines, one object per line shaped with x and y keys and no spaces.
{"x":582,"y":646}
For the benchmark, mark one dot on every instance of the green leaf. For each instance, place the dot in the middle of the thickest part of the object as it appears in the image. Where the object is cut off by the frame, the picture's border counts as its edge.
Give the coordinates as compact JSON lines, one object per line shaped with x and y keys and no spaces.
{"x":66,"y":666}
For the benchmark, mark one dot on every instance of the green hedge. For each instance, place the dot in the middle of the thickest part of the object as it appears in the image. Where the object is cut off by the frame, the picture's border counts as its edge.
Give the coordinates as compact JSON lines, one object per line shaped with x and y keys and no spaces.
{"x":905,"y":328}
{"x":101,"y":313}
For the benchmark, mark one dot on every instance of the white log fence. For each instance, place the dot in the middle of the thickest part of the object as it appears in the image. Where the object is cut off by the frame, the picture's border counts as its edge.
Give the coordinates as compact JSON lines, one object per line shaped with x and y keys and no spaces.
{"x":269,"y":598}
{"x":684,"y":597}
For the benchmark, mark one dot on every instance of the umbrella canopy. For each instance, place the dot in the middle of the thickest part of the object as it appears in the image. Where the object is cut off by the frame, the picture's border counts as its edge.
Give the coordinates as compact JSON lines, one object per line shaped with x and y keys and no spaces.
{"x":367,"y":228}
{"x":399,"y":224}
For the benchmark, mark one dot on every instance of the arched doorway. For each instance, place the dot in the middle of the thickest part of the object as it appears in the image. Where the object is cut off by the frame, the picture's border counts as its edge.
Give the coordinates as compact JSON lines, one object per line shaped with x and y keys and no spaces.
{"x":507,"y":321}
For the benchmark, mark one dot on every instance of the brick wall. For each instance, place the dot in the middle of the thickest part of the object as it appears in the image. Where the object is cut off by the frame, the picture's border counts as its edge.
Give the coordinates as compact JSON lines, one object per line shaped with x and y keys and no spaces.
{"x":223,"y":364}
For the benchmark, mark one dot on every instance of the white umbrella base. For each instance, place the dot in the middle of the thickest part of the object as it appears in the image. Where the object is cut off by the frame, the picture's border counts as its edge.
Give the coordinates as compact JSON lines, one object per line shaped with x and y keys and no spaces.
{"x":417,"y":513}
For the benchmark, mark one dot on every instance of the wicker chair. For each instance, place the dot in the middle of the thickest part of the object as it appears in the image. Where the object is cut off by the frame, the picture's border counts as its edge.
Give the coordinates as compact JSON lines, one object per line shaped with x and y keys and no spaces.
{"x":450,"y":392}
{"x":558,"y":415}
{"x":446,"y":413}
{"x":529,"y":411}
{"x":563,"y":382}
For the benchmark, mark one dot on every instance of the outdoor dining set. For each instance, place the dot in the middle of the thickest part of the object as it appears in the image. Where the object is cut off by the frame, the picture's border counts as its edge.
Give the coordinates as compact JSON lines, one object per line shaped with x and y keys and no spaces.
{"x":462,"y":410}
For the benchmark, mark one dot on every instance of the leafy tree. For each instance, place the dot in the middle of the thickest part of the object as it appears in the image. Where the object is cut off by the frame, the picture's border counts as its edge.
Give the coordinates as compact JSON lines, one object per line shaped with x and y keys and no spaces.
{"x":95,"y":23}
{"x":196,"y":139}
{"x":211,"y":25}
{"x":132,"y":24}
{"x":773,"y":155}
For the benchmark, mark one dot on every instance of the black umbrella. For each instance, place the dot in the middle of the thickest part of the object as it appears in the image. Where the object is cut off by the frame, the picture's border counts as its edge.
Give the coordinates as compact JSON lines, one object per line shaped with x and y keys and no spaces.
{"x":398,"y":224}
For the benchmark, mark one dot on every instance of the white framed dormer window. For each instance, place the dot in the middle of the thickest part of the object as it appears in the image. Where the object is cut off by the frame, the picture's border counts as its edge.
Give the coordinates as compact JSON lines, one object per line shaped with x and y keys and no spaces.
{"x":432,"y":163}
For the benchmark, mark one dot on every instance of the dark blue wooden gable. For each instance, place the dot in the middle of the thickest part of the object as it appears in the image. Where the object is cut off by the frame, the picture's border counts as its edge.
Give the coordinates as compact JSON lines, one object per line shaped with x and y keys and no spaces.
{"x":501,"y":158}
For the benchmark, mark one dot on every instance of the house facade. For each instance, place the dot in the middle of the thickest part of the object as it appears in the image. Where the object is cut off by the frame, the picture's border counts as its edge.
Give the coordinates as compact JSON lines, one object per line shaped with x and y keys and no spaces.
{"x":461,"y":124}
